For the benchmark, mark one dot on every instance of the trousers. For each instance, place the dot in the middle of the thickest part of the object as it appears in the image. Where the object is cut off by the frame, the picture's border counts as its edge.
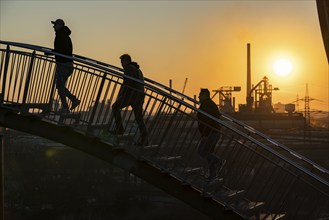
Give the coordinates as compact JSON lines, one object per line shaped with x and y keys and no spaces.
{"x":206,"y":148}
{"x":137,"y":107}
{"x":63,"y":71}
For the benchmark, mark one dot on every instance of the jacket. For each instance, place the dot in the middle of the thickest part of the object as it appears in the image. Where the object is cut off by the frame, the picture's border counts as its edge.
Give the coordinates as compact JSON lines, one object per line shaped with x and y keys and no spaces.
{"x":130,"y":87}
{"x":63,"y":44}
{"x":205,"y":123}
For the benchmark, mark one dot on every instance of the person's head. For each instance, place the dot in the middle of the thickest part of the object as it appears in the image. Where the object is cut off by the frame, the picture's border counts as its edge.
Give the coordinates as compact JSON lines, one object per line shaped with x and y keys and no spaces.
{"x":58,"y":24}
{"x":125,"y":59}
{"x":204,"y":94}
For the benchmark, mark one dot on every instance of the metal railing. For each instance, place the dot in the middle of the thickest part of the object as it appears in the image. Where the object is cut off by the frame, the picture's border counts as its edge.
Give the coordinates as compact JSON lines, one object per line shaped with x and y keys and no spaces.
{"x":256,"y":181}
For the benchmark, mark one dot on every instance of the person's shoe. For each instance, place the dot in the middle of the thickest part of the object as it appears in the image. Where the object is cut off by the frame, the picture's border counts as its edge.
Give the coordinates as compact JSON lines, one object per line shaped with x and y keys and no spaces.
{"x":205,"y":172}
{"x":75,"y":103}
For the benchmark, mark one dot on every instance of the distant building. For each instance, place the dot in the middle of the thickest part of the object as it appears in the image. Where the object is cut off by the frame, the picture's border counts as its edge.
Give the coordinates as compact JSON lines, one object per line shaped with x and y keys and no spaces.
{"x":279,"y":107}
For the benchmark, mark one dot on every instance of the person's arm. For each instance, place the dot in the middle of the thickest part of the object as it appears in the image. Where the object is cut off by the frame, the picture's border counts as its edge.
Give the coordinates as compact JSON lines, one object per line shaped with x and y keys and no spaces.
{"x":202,"y":121}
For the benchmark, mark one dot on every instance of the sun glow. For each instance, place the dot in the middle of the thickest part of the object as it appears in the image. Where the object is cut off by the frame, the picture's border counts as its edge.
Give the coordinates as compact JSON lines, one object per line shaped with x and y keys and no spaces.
{"x":282,"y":67}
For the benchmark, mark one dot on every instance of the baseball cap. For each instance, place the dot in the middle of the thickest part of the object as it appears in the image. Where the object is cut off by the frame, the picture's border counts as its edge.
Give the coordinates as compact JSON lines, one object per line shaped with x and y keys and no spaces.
{"x":204,"y":91}
{"x":58,"y":21}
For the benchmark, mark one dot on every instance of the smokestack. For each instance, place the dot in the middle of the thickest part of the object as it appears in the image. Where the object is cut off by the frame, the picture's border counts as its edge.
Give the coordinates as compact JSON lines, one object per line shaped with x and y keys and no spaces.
{"x":248,"y":71}
{"x":249,"y":97}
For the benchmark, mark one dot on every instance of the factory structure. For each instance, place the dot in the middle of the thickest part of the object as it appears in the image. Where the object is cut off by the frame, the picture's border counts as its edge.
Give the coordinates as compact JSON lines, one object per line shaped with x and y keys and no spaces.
{"x":258,"y":111}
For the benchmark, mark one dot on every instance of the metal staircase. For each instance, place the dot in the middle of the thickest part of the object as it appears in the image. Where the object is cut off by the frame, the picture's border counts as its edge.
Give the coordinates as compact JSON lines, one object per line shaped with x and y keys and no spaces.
{"x":257,"y":181}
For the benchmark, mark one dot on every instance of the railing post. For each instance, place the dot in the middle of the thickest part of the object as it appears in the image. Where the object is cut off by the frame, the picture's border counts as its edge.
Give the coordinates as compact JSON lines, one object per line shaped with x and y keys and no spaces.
{"x":28,"y":77}
{"x":2,"y":95}
{"x":96,"y":102}
{"x":158,"y":114}
{"x":174,"y":114}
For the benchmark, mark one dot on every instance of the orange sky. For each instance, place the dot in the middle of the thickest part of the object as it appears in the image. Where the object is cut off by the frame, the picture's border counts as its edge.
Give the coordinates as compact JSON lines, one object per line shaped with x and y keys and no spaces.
{"x":204,"y":41}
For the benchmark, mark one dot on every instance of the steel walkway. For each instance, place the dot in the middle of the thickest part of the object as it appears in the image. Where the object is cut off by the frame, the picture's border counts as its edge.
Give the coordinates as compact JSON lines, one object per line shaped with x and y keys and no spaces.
{"x":257,"y":181}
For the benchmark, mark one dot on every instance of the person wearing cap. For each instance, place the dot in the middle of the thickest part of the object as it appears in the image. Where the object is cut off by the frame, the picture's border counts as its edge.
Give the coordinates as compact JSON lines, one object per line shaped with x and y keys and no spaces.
{"x":209,"y":130}
{"x":64,"y":66}
{"x":132,"y":94}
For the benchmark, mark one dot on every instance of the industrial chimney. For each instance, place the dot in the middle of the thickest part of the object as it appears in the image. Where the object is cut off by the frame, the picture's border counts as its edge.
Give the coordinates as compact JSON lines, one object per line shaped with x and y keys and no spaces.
{"x":249,"y":98}
{"x":248,"y":70}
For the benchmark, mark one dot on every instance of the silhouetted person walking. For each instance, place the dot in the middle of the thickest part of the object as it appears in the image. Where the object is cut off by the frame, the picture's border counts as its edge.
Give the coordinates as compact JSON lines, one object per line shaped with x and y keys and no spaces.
{"x":132,"y":94}
{"x":64,"y":66}
{"x":209,"y":133}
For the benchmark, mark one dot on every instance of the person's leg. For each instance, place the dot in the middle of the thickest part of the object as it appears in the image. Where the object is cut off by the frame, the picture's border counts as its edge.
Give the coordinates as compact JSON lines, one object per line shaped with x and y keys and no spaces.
{"x":60,"y":84}
{"x":203,"y":150}
{"x":137,"y":107}
{"x":202,"y":147}
{"x":213,"y":160}
{"x":68,"y":72}
{"x":116,"y":109}
{"x":212,"y":141}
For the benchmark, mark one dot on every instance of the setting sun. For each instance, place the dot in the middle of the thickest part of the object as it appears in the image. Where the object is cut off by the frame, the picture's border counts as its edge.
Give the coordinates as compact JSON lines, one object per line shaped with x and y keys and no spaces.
{"x":282,"y":67}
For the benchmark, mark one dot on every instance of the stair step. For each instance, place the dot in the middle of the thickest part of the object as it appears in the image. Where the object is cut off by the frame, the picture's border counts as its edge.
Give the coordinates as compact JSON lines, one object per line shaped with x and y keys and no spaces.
{"x":151,"y":147}
{"x":228,"y":195}
{"x":125,"y":135}
{"x":206,"y":189}
{"x":191,"y":178}
{"x":234,"y":193}
{"x":188,"y":171}
{"x":149,"y":150}
{"x":206,"y":194}
{"x":169,"y":158}
{"x":275,"y":217}
{"x":266,"y":216}
{"x":115,"y":138}
{"x":147,"y":153}
{"x":250,"y":205}
{"x":249,"y":208}
{"x":211,"y":186}
{"x":192,"y":169}
{"x":71,"y":116}
{"x":166,"y":163}
{"x":119,"y":141}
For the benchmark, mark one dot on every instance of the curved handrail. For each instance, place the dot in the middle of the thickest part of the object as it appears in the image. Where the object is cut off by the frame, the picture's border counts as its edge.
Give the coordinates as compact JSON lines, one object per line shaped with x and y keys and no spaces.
{"x":241,"y":133}
{"x":91,"y":62}
{"x":171,"y":91}
{"x":231,"y":119}
{"x":248,"y":128}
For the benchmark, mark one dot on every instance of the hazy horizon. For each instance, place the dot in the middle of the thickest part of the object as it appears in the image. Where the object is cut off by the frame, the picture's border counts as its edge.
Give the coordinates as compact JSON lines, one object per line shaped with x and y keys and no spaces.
{"x":204,"y":41}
